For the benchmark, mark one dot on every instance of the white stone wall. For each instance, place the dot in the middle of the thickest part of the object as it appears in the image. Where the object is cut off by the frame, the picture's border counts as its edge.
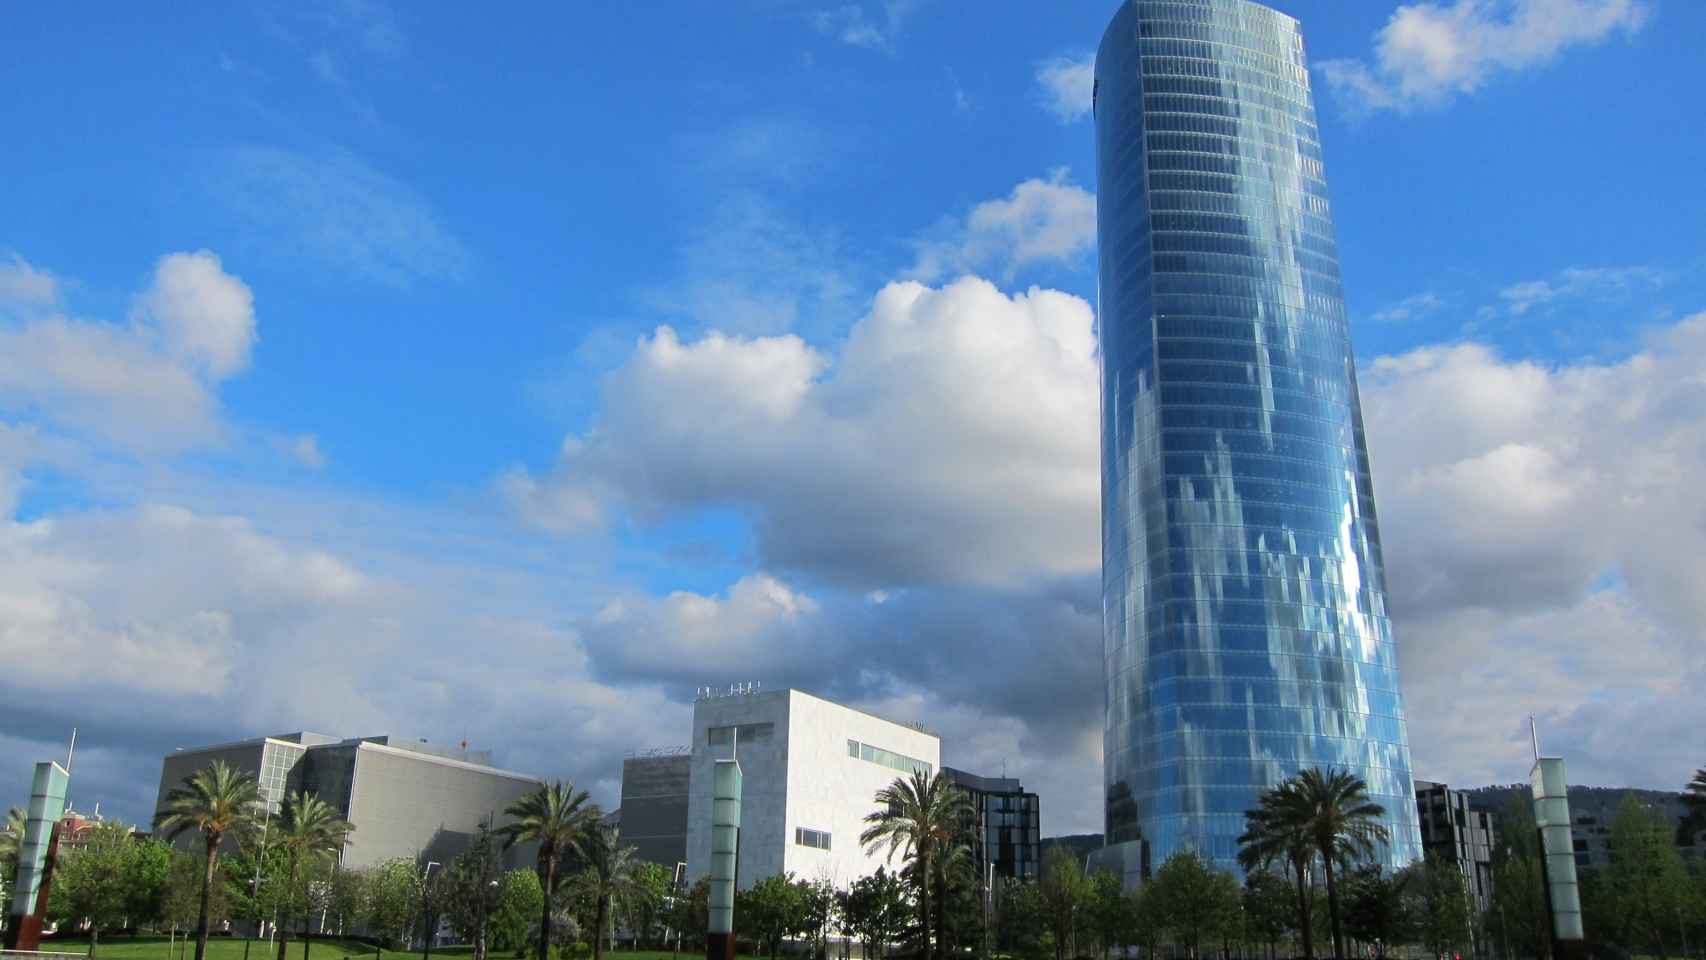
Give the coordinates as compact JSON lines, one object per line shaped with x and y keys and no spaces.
{"x":801,"y":777}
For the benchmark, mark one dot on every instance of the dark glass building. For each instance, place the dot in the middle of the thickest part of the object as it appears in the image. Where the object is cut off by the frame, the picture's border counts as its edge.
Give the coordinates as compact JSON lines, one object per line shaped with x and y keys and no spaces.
{"x":1006,"y":822}
{"x":1244,"y":598}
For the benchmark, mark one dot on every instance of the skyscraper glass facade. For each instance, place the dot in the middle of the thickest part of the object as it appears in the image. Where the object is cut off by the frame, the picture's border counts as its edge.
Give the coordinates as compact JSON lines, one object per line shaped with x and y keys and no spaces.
{"x":1244,"y":598}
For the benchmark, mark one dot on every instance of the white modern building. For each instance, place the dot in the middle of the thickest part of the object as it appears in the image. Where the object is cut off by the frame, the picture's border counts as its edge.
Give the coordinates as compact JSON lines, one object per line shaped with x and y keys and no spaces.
{"x":810,"y":769}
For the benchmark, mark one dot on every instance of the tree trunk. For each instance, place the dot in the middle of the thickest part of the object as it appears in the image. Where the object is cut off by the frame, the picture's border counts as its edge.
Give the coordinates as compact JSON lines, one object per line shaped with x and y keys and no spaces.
{"x":547,"y":879}
{"x":1333,"y":907}
{"x":94,"y":939}
{"x":923,"y":904}
{"x":284,"y":928}
{"x":206,"y":890}
{"x":1305,"y":920}
{"x":598,"y":927}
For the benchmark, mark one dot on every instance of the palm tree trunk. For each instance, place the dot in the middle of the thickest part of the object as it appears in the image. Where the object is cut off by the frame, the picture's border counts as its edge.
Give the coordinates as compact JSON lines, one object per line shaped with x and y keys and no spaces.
{"x":206,"y":890}
{"x":598,"y":928}
{"x":547,"y":879}
{"x":1333,"y":908}
{"x":923,"y":903}
{"x":284,"y":928}
{"x":1305,"y":922}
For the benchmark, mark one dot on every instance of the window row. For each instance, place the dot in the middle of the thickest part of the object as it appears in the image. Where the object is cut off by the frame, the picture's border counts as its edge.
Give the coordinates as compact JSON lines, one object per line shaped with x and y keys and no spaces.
{"x":1264,"y":209}
{"x":1278,"y":64}
{"x":1245,"y":96}
{"x":1293,"y":83}
{"x":888,"y":758}
{"x":742,"y":733}
{"x":1283,"y":49}
{"x":1244,"y":128}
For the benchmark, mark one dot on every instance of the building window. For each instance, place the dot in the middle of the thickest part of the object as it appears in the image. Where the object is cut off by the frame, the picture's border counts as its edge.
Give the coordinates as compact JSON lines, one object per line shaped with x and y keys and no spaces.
{"x":749,"y":733}
{"x":888,"y":758}
{"x":811,"y":838}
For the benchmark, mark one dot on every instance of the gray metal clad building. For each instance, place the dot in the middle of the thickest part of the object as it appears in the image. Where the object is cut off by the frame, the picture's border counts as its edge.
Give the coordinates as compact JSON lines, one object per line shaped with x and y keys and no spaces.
{"x":406,"y":800}
{"x":654,"y":805}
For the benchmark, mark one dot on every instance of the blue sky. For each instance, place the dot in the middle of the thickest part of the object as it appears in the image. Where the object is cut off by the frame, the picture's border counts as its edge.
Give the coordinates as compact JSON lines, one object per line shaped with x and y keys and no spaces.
{"x":334,"y":336}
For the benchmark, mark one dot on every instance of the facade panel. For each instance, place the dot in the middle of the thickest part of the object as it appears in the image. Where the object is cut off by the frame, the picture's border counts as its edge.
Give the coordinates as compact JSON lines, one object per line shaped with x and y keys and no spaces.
{"x":654,"y":807}
{"x":1244,"y":610}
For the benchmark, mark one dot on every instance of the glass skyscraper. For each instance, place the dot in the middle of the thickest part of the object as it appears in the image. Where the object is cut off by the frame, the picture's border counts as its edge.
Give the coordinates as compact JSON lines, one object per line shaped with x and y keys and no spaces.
{"x":1244,"y":598}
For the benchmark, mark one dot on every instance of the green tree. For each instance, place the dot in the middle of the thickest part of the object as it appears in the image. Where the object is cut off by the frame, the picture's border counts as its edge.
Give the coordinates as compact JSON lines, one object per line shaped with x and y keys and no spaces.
{"x":1444,"y":919}
{"x":877,"y":909}
{"x":918,"y":816}
{"x":11,"y":837}
{"x":1646,"y":877}
{"x":1021,"y":927}
{"x":818,"y":911}
{"x":690,"y":913}
{"x":150,"y":877}
{"x":772,"y":910}
{"x":559,"y":818}
{"x":393,"y":900}
{"x":1344,"y":825}
{"x":346,"y":900}
{"x":1270,"y":910}
{"x":92,"y":884}
{"x":1518,"y":912}
{"x":433,"y":895}
{"x":1695,"y":796}
{"x":1196,"y":901}
{"x":1106,"y":913}
{"x":1146,"y":920}
{"x":309,"y":830}
{"x":1276,"y":831}
{"x":644,"y":909}
{"x":473,"y":884}
{"x":608,"y":879}
{"x":1063,"y":891}
{"x":181,"y":900}
{"x":215,"y":801}
{"x":520,"y":899}
{"x":1375,"y":907}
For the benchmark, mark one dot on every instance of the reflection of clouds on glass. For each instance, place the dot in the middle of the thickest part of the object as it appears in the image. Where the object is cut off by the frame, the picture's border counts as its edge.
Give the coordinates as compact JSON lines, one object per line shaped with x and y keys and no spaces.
{"x":1240,"y":549}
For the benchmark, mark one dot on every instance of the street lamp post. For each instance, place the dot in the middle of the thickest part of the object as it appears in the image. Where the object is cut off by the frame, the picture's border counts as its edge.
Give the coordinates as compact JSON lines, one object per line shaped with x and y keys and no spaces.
{"x":426,"y":914}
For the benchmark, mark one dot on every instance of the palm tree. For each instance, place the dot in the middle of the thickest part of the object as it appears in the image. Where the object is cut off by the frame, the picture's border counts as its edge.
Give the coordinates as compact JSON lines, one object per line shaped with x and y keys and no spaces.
{"x":918,"y":817}
{"x":559,"y":818}
{"x":216,"y":801}
{"x":608,"y":877}
{"x":1276,"y":831}
{"x":1343,"y":825}
{"x":308,"y":828}
{"x":1695,"y":796}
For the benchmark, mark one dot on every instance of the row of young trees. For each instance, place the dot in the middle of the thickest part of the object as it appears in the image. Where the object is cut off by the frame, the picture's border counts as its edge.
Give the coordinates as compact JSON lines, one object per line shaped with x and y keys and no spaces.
{"x":285,"y":872}
{"x":1321,"y":822}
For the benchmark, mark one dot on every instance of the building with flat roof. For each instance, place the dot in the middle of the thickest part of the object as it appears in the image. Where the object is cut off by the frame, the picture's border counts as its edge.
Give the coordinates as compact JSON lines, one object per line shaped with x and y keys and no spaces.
{"x":1005,"y":825}
{"x":1461,"y":832}
{"x":654,"y":805}
{"x":406,"y":799}
{"x":810,"y":769}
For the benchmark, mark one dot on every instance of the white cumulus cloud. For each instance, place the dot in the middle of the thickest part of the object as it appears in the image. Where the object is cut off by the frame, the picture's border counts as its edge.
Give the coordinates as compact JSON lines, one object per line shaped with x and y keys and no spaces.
{"x":1041,"y":221}
{"x":946,"y":441}
{"x":206,"y":315}
{"x":145,"y":385}
{"x":1067,"y":85}
{"x":1430,"y":52}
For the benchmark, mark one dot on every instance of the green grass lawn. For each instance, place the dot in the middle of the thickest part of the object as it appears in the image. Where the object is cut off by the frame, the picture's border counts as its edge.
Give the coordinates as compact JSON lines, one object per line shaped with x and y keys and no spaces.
{"x":218,"y":948}
{"x":231,"y":948}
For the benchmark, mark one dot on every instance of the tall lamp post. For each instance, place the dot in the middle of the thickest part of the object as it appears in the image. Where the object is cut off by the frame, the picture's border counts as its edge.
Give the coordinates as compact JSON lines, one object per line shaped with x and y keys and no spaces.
{"x":426,"y":913}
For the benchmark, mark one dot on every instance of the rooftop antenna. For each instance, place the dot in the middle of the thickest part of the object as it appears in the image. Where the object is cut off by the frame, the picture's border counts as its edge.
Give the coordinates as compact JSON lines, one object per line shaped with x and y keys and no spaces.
{"x":1534,"y":735}
{"x":71,"y":752}
{"x":734,"y":746}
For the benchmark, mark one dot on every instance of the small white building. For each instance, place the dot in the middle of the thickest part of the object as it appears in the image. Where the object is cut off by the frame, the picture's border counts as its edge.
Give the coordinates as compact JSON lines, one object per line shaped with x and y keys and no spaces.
{"x":810,"y":770}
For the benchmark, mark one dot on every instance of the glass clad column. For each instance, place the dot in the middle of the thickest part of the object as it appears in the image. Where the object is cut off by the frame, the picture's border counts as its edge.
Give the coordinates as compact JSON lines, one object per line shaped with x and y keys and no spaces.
{"x":1244,"y":606}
